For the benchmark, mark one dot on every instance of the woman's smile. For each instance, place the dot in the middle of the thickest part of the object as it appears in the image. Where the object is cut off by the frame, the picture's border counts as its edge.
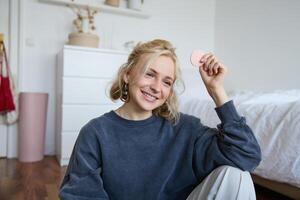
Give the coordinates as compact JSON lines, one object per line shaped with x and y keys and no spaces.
{"x":149,"y":97}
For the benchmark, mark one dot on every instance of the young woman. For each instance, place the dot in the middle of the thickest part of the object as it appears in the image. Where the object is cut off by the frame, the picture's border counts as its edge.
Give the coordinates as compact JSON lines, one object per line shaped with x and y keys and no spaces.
{"x":146,"y":149}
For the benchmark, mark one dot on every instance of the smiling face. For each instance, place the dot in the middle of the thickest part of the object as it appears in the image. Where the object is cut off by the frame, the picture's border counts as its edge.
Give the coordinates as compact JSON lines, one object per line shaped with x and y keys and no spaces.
{"x":151,"y":89}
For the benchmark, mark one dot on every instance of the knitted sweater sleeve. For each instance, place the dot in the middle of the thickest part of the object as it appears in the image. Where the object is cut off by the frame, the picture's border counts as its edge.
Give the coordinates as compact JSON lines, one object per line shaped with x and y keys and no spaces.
{"x":82,"y":180}
{"x":231,"y":143}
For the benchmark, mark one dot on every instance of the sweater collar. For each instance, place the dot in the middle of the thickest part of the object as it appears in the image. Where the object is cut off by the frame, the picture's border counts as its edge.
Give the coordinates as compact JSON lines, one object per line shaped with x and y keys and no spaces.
{"x":126,"y":122}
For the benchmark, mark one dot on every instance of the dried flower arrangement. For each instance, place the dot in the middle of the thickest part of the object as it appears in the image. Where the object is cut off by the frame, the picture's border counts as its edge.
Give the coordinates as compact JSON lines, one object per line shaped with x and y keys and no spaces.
{"x":85,"y":19}
{"x":85,"y":34}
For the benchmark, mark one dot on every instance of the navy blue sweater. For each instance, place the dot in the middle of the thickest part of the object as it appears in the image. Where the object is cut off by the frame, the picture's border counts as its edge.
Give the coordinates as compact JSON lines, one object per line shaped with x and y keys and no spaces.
{"x":116,"y":158}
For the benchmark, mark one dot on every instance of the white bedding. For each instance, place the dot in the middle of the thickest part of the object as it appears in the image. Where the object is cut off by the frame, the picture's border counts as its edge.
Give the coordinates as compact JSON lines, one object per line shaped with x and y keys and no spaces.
{"x":275,"y":120}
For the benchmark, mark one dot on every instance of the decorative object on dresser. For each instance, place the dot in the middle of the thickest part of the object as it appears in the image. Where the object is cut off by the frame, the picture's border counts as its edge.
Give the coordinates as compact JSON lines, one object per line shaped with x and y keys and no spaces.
{"x":83,"y":76}
{"x":135,"y":4}
{"x":114,"y":3}
{"x":85,"y":34}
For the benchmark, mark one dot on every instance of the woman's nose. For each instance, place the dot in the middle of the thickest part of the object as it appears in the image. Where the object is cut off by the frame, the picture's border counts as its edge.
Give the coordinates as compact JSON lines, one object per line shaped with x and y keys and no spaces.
{"x":155,"y":86}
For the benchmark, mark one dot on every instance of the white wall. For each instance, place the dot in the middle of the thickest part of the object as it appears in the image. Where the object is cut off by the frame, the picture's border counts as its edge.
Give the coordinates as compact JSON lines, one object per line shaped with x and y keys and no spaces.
{"x":4,"y":19}
{"x":259,"y":42}
{"x":187,"y":24}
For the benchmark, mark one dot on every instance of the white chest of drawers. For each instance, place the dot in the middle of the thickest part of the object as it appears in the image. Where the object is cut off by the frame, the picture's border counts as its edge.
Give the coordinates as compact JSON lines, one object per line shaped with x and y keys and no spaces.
{"x":83,"y":77}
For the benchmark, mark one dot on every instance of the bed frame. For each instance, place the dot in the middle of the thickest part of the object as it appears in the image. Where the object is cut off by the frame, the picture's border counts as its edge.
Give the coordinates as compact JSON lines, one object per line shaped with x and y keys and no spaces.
{"x":282,"y":188}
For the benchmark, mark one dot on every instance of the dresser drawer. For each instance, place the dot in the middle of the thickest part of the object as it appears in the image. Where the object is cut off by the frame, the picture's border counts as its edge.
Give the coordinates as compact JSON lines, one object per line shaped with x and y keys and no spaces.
{"x":74,"y":117}
{"x":86,"y":91}
{"x":92,"y":63}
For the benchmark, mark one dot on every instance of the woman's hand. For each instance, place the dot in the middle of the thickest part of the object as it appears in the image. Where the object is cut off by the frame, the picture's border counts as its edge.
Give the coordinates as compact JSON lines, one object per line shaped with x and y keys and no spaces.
{"x":213,"y":73}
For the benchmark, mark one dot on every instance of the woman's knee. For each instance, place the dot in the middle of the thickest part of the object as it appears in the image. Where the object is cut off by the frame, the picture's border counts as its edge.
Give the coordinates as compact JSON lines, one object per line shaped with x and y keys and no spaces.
{"x":225,"y":182}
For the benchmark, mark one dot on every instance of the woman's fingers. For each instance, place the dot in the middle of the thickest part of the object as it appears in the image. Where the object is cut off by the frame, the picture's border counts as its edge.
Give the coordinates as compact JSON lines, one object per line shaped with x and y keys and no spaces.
{"x":211,"y":64}
{"x":208,"y":60}
{"x":216,"y":68}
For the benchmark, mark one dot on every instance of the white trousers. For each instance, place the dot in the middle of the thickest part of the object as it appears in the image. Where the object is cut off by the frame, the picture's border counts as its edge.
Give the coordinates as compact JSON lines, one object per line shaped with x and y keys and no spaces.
{"x":226,"y":183}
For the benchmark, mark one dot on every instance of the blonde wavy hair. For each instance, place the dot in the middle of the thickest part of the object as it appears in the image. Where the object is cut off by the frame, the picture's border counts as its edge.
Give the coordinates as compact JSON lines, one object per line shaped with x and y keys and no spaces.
{"x":150,"y":51}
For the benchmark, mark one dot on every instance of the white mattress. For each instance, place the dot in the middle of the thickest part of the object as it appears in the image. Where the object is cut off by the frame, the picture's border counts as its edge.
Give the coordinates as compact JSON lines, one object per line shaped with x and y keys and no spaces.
{"x":275,"y":120}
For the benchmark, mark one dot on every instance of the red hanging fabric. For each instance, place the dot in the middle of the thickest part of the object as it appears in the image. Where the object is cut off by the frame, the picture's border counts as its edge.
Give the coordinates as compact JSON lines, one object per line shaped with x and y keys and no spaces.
{"x":6,"y":97}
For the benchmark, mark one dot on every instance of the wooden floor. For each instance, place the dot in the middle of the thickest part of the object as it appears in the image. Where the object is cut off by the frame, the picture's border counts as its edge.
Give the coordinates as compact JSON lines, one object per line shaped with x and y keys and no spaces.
{"x":40,"y":181}
{"x":30,"y":181}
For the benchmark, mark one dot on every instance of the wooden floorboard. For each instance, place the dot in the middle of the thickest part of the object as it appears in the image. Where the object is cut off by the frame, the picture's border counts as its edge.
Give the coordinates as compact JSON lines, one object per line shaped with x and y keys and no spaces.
{"x":30,"y":181}
{"x":41,"y":180}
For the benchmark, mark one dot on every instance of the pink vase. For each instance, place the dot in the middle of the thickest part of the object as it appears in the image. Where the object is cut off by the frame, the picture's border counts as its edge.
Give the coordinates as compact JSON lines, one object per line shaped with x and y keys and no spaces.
{"x":32,"y":126}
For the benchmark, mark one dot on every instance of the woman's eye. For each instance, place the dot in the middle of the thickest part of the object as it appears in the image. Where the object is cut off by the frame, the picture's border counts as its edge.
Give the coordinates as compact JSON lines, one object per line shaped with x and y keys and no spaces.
{"x":168,"y":83}
{"x":149,"y":74}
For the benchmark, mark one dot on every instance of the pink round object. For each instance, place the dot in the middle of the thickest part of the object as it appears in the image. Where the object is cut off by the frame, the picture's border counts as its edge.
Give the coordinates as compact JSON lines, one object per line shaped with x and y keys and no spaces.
{"x":196,"y":57}
{"x":32,"y":126}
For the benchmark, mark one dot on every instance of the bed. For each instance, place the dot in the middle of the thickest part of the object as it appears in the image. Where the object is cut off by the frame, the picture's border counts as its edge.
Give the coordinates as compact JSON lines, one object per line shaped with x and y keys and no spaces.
{"x":275,"y":120}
